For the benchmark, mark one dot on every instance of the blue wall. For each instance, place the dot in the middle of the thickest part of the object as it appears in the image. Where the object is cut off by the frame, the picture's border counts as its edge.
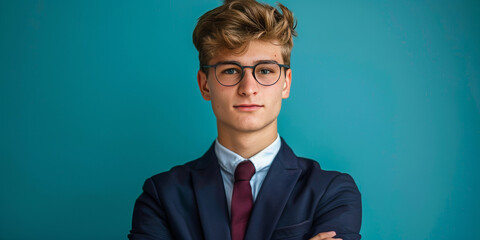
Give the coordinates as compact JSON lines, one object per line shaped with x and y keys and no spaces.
{"x":96,"y":96}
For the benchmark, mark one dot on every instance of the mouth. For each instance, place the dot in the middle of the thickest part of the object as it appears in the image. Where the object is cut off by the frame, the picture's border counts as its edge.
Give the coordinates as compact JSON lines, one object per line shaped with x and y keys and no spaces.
{"x":248,"y":107}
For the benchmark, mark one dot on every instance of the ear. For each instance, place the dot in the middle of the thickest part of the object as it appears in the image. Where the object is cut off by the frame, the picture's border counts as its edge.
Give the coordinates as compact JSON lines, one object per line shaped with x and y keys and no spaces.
{"x":203,"y":85}
{"x":287,"y":83}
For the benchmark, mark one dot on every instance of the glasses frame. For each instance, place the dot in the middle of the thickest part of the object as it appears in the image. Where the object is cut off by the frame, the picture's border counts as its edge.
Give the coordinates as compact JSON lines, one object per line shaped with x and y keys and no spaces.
{"x":243,"y":71}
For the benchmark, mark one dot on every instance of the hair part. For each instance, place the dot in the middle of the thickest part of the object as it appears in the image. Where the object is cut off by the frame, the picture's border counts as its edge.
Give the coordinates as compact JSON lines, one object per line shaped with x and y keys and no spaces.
{"x":237,"y":22}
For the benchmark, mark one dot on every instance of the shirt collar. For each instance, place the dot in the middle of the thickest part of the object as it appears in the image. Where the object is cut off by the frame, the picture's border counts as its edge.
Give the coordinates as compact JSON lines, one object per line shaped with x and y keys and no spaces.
{"x":229,"y":160}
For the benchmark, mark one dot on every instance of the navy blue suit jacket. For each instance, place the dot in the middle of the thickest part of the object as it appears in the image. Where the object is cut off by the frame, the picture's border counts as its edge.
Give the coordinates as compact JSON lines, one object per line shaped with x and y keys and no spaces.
{"x":296,"y":201}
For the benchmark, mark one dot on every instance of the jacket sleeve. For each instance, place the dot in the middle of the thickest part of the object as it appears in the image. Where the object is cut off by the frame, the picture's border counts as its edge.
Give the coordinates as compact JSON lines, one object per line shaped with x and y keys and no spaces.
{"x":149,"y":218}
{"x":339,"y":209}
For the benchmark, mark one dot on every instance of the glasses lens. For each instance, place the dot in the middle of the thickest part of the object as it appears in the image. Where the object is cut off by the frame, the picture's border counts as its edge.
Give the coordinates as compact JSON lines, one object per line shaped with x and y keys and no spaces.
{"x":267,"y":73}
{"x":228,"y":74}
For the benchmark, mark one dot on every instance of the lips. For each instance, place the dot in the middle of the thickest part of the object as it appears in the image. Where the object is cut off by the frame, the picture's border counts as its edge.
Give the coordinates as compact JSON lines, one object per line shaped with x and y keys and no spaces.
{"x":248,"y":107}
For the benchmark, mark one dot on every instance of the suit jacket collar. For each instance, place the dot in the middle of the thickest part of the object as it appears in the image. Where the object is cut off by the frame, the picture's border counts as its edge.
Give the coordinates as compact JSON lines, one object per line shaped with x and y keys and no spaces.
{"x":210,"y":197}
{"x":267,"y":209}
{"x":274,"y":193}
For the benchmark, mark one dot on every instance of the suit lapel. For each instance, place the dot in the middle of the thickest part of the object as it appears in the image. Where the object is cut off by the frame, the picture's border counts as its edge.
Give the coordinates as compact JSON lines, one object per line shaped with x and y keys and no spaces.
{"x":210,"y":196}
{"x":273,"y":195}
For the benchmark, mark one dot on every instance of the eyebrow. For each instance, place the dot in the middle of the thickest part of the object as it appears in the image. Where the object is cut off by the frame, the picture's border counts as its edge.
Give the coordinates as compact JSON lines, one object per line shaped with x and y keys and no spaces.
{"x":254,"y":63}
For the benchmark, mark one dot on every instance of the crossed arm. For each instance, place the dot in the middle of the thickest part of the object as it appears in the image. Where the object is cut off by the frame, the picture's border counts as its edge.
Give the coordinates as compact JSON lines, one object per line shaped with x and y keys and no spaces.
{"x":325,"y":236}
{"x":339,"y":214}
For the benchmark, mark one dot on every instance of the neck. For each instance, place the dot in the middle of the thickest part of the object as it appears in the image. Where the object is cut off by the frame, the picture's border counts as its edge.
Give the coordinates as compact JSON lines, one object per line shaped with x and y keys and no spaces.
{"x":247,"y":143}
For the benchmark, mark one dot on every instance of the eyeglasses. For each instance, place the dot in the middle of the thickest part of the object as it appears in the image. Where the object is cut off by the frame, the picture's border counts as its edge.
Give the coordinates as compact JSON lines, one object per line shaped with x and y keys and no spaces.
{"x":231,"y":73}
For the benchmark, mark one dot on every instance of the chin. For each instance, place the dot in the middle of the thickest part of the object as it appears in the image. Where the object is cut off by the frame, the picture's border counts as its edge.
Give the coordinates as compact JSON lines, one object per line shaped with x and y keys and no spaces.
{"x":252,"y":125}
{"x":248,"y":129}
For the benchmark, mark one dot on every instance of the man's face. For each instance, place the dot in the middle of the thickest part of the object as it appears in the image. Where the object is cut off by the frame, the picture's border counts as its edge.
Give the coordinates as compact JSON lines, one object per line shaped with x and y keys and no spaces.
{"x":247,"y":106}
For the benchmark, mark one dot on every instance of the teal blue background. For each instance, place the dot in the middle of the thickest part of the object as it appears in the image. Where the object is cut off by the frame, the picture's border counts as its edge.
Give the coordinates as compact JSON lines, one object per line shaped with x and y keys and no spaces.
{"x":96,"y":96}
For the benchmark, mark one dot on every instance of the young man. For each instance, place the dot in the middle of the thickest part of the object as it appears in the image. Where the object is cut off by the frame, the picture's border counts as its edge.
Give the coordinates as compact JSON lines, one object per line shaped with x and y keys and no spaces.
{"x":249,"y":184}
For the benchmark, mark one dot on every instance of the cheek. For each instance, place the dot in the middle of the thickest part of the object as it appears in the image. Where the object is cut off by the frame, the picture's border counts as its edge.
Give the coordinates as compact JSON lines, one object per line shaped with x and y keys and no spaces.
{"x":274,"y":102}
{"x":276,"y":96}
{"x":219,"y":101}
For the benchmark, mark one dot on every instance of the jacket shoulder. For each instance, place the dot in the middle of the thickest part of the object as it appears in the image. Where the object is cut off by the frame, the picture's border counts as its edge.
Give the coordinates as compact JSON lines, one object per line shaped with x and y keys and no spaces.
{"x":176,"y":177}
{"x":312,"y":167}
{"x":324,"y":180}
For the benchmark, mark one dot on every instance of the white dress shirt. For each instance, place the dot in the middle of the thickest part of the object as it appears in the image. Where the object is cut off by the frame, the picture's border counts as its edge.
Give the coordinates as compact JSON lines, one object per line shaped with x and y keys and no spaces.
{"x":229,"y":160}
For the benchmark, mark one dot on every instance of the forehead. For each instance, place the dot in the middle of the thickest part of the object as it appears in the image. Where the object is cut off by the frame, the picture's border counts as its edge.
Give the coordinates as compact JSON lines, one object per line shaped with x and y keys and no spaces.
{"x":253,"y":51}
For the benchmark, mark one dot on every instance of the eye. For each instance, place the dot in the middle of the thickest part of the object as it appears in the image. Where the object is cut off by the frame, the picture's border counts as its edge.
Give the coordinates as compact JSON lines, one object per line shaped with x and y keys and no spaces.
{"x":265,"y":71}
{"x":230,"y":71}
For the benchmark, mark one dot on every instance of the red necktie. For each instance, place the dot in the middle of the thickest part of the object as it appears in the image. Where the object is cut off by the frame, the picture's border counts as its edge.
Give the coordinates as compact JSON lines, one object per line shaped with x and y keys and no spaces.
{"x":242,"y":200}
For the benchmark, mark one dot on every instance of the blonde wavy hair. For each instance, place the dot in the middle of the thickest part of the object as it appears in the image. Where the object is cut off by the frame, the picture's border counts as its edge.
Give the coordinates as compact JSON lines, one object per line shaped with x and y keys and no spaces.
{"x":237,"y":22}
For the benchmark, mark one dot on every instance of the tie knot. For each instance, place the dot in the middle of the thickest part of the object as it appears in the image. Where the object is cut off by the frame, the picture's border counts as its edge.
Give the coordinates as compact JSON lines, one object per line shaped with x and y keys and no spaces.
{"x":244,"y":171}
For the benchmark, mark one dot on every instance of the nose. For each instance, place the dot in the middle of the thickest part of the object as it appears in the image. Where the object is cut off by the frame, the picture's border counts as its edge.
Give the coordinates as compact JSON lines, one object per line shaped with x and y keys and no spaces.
{"x":248,"y":85}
